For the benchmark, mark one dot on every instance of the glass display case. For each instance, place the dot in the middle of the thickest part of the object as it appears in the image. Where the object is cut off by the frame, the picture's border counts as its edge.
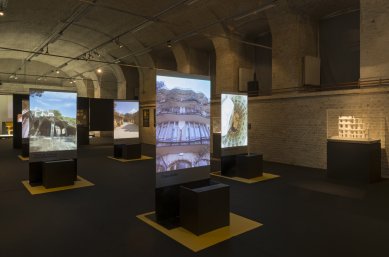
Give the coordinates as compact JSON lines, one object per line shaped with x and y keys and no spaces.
{"x":216,"y":125}
{"x":356,"y":125}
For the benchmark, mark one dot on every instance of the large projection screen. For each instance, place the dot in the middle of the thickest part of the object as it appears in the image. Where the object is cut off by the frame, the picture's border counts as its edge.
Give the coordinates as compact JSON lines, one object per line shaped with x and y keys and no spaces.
{"x":234,"y":114}
{"x":53,"y":129}
{"x":183,"y":128}
{"x":126,"y":120}
{"x":25,"y":119}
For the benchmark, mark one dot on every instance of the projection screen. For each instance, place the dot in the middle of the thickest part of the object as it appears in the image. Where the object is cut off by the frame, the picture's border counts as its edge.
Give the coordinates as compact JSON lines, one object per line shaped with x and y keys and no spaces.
{"x":52,"y":129}
{"x":234,"y":114}
{"x":183,"y":128}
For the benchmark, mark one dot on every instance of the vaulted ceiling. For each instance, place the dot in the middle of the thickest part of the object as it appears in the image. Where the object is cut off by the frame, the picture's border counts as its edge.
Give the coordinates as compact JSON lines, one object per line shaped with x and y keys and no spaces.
{"x":60,"y":41}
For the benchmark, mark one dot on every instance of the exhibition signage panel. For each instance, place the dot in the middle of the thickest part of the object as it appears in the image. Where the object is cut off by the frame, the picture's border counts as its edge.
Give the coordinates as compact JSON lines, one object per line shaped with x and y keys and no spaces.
{"x":52,"y":129}
{"x":126,"y":120}
{"x":234,"y":116}
{"x":182,"y":128}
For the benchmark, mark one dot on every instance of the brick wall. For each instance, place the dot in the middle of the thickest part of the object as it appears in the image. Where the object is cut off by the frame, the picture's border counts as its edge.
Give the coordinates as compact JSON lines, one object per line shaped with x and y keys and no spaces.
{"x":292,"y":128}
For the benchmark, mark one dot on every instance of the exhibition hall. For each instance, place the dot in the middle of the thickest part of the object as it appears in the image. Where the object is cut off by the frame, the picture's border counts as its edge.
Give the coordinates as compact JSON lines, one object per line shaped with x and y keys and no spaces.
{"x":250,"y":128}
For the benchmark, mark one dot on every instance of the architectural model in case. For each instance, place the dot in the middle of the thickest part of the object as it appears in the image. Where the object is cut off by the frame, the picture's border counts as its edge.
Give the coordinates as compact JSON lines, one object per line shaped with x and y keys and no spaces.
{"x":351,"y":127}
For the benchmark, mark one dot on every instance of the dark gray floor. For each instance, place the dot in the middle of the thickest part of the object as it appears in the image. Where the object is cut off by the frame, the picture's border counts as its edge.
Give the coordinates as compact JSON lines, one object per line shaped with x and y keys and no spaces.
{"x":303,"y":214}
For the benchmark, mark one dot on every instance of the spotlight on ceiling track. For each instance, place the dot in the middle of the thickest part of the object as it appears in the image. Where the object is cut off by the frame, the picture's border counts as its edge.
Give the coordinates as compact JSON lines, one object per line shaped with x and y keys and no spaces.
{"x":2,"y":13}
{"x":99,"y":70}
{"x":118,"y":43}
{"x":169,"y":44}
{"x":57,"y":71}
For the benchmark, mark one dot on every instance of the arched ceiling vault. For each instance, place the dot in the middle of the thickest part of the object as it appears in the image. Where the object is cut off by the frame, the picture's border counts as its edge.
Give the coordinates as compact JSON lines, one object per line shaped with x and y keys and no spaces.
{"x":56,"y":41}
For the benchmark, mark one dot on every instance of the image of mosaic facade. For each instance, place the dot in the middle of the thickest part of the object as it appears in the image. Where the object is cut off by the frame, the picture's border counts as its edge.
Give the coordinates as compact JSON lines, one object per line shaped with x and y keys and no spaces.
{"x":183,"y":123}
{"x":234,"y":120}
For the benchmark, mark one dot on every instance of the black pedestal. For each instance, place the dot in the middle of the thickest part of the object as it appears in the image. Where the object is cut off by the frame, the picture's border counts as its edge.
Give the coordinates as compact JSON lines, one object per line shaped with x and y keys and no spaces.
{"x":249,"y":165}
{"x":53,"y":173}
{"x":354,"y":161}
{"x":25,"y":150}
{"x":203,"y":209}
{"x":127,"y":151}
{"x":217,"y":140}
{"x":59,"y":173}
{"x":35,"y":173}
{"x":167,"y":202}
{"x":228,"y":165}
{"x":242,"y":165}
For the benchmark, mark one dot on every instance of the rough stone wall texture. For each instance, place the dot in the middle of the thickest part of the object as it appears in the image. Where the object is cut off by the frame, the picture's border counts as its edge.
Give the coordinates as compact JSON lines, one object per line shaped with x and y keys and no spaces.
{"x":374,"y":39}
{"x":292,"y":129}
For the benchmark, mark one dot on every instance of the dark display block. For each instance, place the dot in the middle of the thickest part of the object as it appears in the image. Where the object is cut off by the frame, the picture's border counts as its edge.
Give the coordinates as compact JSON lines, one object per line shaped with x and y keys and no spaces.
{"x":354,"y":161}
{"x":204,"y":209}
{"x":249,"y":165}
{"x":217,"y":140}
{"x":242,"y":165}
{"x":25,"y":150}
{"x":35,"y":173}
{"x":167,"y":202}
{"x":59,"y":173}
{"x":127,"y":151}
{"x":228,"y":165}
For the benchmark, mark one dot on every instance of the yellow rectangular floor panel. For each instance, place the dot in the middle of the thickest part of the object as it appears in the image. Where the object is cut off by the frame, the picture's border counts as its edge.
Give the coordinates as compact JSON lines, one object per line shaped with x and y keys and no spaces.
{"x":143,"y":158}
{"x":79,"y":183}
{"x":264,"y":177}
{"x":23,"y":158}
{"x":238,"y":225}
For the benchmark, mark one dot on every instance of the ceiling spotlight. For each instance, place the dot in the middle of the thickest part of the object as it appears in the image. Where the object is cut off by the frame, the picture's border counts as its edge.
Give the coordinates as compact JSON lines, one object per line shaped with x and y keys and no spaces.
{"x":40,"y":78}
{"x":57,"y":71}
{"x":99,"y":70}
{"x":118,"y":43}
{"x":12,"y":76}
{"x":169,"y":44}
{"x":2,"y":13}
{"x":16,"y":77}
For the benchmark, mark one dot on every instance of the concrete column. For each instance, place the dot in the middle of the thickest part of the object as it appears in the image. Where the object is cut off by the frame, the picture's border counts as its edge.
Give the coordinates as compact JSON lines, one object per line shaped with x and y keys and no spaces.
{"x":294,"y":36}
{"x":180,"y":52}
{"x":227,"y":64}
{"x":374,"y":39}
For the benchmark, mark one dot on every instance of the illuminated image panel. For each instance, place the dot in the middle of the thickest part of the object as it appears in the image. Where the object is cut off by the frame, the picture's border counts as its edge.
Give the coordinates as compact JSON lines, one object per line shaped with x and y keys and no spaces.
{"x":53,"y":129}
{"x":126,"y":119}
{"x":25,"y":118}
{"x":183,"y":123}
{"x":234,"y":114}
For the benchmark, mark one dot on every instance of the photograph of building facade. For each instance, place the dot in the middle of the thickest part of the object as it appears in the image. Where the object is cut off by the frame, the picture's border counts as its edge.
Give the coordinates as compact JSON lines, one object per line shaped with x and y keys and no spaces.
{"x":183,"y":123}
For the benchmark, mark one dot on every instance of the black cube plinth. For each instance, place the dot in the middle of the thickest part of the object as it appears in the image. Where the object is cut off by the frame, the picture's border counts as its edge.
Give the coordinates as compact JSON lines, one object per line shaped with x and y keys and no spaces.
{"x":127,"y":151}
{"x":118,"y":151}
{"x":249,"y":165}
{"x":35,"y":173}
{"x":204,"y":209}
{"x":167,"y":202}
{"x":59,"y":173}
{"x":354,"y":161}
{"x":228,"y":165}
{"x":25,"y":150}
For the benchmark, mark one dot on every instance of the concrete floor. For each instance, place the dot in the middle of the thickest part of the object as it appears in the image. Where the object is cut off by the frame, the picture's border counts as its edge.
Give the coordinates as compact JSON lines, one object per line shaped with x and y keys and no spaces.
{"x":303,"y":213}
